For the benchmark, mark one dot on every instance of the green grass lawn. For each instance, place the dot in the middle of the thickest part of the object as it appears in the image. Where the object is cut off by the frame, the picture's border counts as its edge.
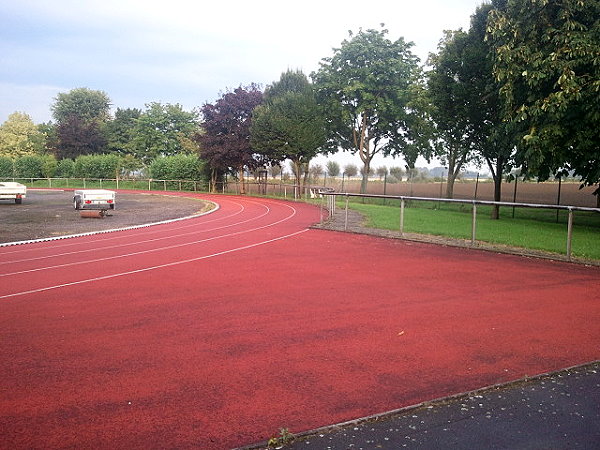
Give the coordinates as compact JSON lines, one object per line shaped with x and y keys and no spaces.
{"x":534,"y":229}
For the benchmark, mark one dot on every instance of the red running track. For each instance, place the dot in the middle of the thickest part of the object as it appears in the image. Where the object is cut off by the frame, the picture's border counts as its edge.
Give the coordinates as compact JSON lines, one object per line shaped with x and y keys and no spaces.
{"x":216,"y":331}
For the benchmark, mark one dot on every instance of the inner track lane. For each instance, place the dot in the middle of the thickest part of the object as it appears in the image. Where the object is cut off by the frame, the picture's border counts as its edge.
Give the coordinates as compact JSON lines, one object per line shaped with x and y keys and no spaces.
{"x":242,"y":224}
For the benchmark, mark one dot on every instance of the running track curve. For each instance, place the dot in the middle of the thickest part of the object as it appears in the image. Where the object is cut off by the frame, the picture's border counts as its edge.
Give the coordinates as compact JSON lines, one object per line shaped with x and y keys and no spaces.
{"x":217,"y":331}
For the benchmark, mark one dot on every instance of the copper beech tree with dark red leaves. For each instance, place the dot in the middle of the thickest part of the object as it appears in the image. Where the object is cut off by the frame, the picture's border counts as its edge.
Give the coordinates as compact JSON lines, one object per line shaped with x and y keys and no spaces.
{"x":225,"y":141}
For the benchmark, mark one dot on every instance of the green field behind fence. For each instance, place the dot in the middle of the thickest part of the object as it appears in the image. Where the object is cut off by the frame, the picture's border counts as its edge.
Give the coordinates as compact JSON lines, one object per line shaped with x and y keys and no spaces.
{"x":530,"y":228}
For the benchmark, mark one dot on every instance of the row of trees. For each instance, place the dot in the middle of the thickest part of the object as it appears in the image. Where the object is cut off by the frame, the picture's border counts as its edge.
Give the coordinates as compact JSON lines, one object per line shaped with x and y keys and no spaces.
{"x":519,"y":88}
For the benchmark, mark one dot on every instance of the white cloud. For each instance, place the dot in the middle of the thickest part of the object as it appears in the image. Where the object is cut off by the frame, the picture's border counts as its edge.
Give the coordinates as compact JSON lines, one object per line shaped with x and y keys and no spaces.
{"x":187,"y":52}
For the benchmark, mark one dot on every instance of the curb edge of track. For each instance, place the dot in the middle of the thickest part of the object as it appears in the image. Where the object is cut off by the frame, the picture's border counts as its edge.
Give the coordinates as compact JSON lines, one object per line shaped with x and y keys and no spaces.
{"x":132,"y":227}
{"x":428,"y":403}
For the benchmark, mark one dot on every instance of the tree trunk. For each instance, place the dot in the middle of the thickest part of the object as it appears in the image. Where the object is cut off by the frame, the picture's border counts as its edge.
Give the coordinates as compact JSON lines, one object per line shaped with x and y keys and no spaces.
{"x":365,"y":175}
{"x":497,"y":188}
{"x":242,"y":185}
{"x":305,"y":178}
{"x":450,"y":184}
{"x":365,"y":154}
{"x":297,"y":169}
{"x":213,"y":180}
{"x":451,"y":176}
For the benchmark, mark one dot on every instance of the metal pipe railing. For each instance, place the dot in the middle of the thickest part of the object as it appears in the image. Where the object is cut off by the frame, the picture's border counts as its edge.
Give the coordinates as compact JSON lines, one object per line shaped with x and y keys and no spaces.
{"x":473,"y":203}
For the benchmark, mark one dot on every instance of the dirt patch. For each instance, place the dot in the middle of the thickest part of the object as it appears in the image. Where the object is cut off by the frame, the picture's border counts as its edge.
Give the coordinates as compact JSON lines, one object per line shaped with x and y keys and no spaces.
{"x":50,"y":213}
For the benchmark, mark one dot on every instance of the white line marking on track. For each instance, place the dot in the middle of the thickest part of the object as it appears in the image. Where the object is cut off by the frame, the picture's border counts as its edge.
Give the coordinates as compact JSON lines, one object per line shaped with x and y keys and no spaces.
{"x":146,"y":269}
{"x":104,"y":239}
{"x":92,"y":233}
{"x":139,"y":242}
{"x":39,"y":269}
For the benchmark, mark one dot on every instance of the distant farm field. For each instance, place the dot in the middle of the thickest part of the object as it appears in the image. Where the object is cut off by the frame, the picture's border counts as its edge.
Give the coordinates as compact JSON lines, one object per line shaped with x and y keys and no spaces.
{"x":526,"y":192}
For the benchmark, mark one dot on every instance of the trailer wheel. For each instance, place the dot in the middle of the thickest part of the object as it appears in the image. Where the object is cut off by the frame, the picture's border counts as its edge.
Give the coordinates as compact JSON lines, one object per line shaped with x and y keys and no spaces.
{"x":76,"y":203}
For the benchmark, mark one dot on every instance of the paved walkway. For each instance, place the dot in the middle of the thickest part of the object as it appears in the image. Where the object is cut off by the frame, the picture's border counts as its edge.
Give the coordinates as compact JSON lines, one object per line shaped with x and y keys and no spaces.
{"x":557,"y":411}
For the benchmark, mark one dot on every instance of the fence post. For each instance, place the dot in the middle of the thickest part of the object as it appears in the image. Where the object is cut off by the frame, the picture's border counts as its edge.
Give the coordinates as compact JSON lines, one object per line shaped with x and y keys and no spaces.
{"x":474,"y":224}
{"x":401,"y":216}
{"x":322,"y":206}
{"x":346,"y":215}
{"x":569,"y":233}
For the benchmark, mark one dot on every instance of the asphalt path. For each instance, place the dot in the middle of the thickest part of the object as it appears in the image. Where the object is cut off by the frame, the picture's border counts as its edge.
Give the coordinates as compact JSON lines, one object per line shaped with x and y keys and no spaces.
{"x":217,"y":331}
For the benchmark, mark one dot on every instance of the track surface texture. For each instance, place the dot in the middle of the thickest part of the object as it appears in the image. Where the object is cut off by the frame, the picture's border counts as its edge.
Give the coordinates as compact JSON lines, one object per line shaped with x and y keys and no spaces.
{"x":217,"y":331}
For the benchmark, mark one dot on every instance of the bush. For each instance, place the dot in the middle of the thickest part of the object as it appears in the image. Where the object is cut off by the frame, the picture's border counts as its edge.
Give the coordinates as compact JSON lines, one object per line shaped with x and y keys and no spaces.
{"x":6,"y":167}
{"x":49,"y":166}
{"x":30,"y":166}
{"x":65,"y":168}
{"x":179,"y":167}
{"x":97,"y":166}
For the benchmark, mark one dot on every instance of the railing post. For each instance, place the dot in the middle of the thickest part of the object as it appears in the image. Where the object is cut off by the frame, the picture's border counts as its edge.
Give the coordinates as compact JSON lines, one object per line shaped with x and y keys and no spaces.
{"x":321,"y":209}
{"x":569,"y":233}
{"x":346,"y":216}
{"x":474,"y":224}
{"x":401,"y":216}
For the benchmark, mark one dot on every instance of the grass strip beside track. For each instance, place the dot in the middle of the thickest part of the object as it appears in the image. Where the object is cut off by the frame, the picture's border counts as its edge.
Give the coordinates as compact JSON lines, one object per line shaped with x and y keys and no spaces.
{"x":531,"y":229}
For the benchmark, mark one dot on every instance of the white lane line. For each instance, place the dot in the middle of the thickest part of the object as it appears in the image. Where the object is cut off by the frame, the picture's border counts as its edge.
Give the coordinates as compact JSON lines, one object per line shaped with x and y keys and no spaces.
{"x":104,"y":239}
{"x":92,"y":233}
{"x":146,"y":269}
{"x":87,"y":250}
{"x":58,"y":266}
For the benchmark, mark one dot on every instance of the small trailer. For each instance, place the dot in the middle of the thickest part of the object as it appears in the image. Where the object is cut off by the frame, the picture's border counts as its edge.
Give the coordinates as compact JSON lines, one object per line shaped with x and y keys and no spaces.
{"x":94,"y":202}
{"x":9,"y":190}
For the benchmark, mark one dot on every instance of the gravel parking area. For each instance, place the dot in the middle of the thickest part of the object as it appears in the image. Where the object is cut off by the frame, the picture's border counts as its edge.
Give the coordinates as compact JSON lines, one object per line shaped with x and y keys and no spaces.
{"x":50,"y":213}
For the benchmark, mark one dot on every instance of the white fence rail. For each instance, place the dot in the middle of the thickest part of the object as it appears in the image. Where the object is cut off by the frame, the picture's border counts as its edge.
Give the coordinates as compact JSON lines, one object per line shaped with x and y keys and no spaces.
{"x":329,"y":202}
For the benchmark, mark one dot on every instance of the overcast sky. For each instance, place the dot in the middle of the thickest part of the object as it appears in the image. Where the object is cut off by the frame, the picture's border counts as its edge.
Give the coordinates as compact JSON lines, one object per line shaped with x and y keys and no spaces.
{"x":188,"y":52}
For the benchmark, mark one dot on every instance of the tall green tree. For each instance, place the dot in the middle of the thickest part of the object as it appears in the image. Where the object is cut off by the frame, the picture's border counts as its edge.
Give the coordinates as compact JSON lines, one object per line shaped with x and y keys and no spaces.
{"x":19,"y":136}
{"x":366,"y":87}
{"x":333,"y":168}
{"x":492,"y":137}
{"x":450,"y":94}
{"x":80,"y":116}
{"x":225,"y":137}
{"x":289,"y":124}
{"x":120,"y":131}
{"x":76,"y":137}
{"x":163,"y":130}
{"x":548,"y":66}
{"x":86,"y":104}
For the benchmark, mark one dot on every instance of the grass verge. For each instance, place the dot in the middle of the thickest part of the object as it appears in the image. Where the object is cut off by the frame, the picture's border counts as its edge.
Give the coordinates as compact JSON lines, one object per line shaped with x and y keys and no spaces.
{"x":531,"y":229}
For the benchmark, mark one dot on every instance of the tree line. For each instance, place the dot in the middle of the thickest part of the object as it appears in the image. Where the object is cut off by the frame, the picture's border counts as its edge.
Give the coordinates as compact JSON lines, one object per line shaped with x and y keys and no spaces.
{"x":518,"y":89}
